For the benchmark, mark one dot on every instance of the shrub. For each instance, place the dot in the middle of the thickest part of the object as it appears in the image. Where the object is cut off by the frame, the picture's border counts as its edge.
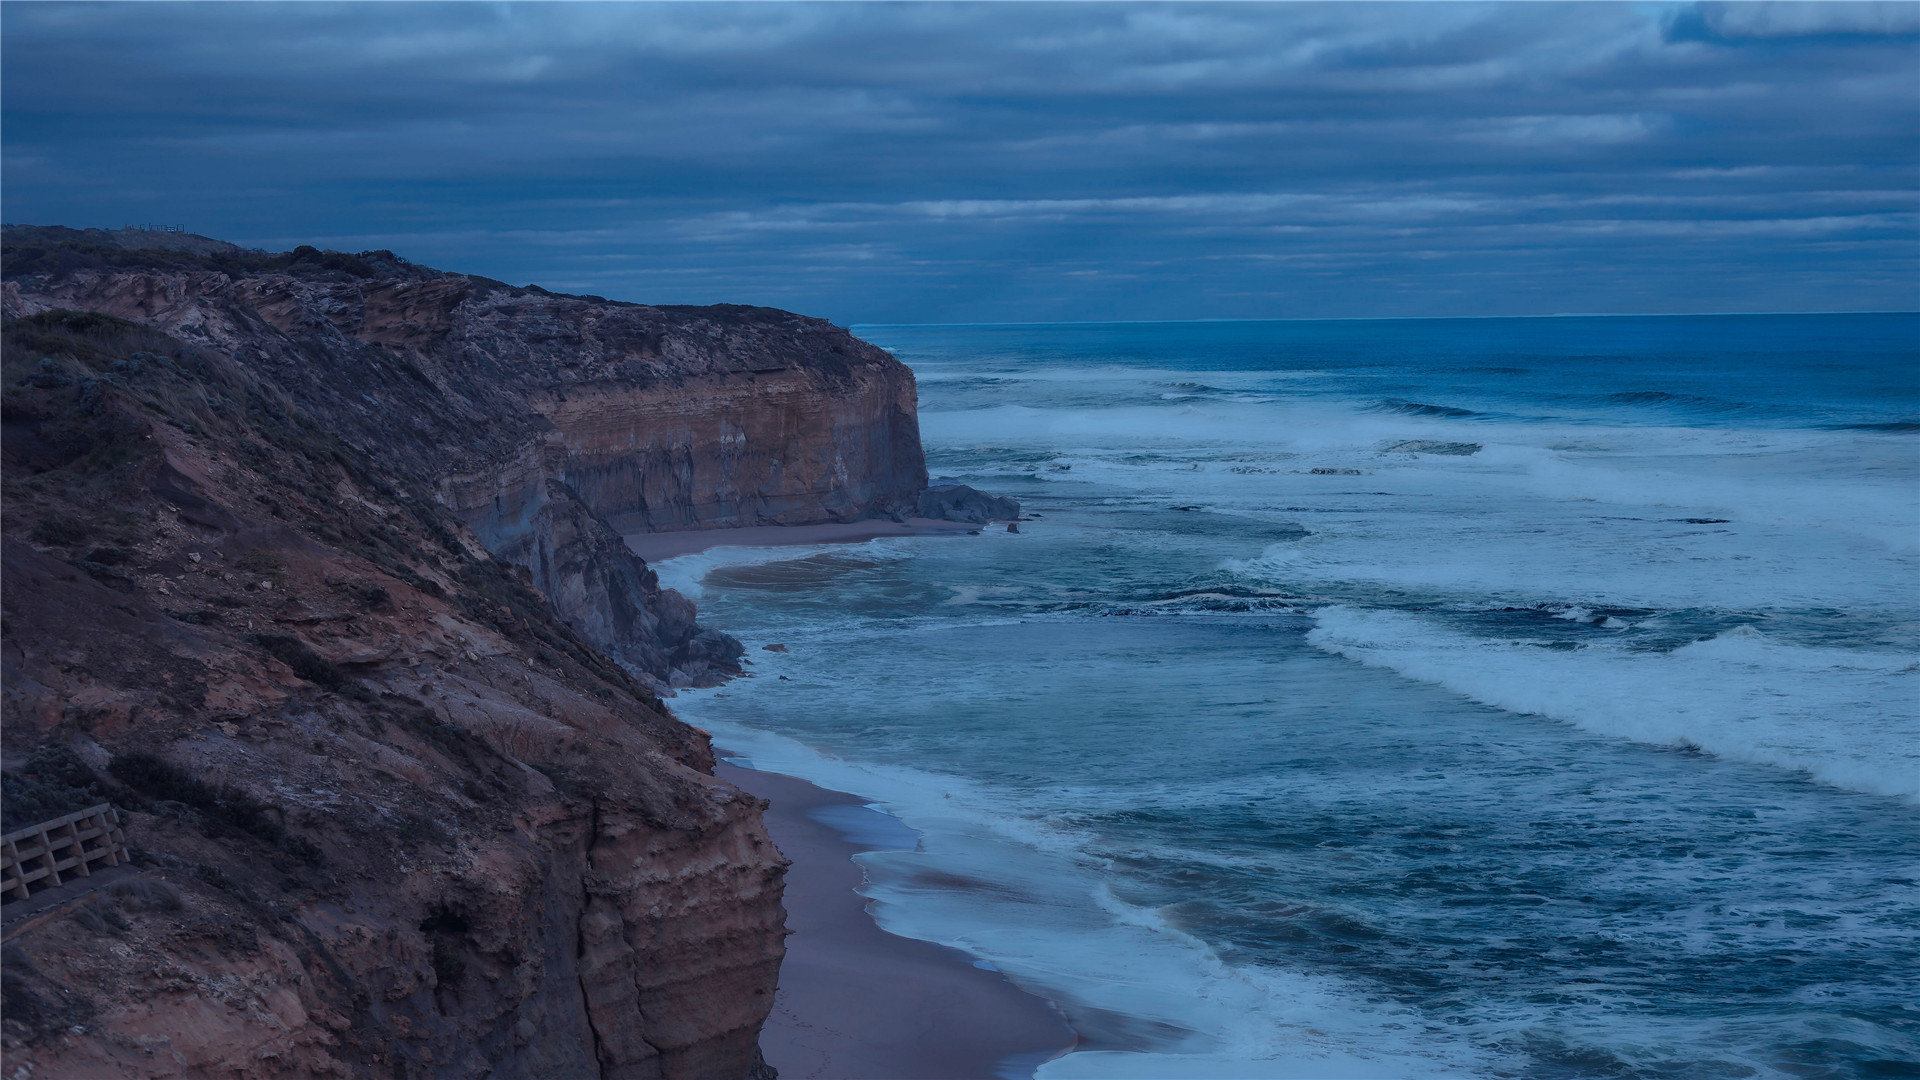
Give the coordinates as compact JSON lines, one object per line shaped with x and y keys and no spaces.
{"x":51,"y":782}
{"x":222,"y":809}
{"x":152,"y":895}
{"x":218,"y":878}
{"x":260,"y":561}
{"x":100,"y":918}
{"x":159,"y":779}
{"x":59,"y":531}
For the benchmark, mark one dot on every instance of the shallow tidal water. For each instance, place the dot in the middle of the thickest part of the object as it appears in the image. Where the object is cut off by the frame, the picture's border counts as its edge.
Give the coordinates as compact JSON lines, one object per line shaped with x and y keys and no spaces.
{"x":1506,"y":698}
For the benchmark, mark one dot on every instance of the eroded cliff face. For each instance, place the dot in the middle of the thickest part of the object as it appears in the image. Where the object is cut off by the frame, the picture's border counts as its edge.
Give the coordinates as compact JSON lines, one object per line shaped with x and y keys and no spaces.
{"x":308,"y":569}
{"x":787,"y":446}
{"x":535,"y":416}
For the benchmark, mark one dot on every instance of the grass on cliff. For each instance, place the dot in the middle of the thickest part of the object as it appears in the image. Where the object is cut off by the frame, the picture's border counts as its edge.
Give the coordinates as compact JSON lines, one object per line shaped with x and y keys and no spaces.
{"x":67,"y":366}
{"x":26,"y":256}
{"x":80,"y":392}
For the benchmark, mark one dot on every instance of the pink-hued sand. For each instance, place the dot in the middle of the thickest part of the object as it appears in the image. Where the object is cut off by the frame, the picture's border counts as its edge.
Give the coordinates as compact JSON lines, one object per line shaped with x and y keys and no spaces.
{"x":858,"y":1003}
{"x":653,"y":546}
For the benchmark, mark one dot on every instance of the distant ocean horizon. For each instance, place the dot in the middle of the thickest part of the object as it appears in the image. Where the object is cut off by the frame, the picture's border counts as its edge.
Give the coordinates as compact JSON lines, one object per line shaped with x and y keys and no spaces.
{"x":1514,"y":696}
{"x":861,"y":328}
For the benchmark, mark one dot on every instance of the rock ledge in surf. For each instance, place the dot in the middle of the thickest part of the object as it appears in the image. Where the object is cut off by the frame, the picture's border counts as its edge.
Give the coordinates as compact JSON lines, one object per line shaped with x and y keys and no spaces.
{"x":958,"y":502}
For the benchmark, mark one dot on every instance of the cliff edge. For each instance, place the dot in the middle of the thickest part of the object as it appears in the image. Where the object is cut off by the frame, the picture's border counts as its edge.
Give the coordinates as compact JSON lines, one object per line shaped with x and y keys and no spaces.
{"x":313,"y":568}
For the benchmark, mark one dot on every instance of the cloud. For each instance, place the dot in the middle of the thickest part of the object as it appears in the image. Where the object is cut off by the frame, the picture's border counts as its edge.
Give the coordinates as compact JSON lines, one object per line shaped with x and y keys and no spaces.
{"x":1599,"y":130}
{"x":950,"y":161}
{"x":1776,"y":19}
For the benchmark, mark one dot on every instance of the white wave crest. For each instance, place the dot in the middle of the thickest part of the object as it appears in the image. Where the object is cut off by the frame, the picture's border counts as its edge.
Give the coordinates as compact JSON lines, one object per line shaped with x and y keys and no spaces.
{"x":684,"y":573}
{"x":1847,"y":717}
{"x":1054,"y":926}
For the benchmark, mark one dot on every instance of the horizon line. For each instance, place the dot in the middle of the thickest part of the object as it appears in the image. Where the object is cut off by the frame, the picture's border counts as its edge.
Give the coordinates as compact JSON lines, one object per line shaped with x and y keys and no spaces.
{"x":1406,"y":318}
{"x":1045,"y":322}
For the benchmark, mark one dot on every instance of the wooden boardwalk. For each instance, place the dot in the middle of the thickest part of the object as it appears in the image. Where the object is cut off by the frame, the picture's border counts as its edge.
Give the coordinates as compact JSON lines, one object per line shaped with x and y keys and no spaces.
{"x":44,"y":855}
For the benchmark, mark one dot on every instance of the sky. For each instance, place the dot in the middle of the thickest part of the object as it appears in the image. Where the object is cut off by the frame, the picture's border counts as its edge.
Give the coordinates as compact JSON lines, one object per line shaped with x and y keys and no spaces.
{"x":875,"y":163}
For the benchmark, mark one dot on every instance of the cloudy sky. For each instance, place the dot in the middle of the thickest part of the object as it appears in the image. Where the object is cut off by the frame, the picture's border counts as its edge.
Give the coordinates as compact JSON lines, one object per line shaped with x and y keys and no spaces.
{"x":946,"y":163}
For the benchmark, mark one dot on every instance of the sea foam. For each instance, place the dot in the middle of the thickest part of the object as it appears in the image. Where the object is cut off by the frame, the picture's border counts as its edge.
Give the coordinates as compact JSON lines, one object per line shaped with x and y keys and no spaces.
{"x":1844,"y":716}
{"x":1044,"y":913}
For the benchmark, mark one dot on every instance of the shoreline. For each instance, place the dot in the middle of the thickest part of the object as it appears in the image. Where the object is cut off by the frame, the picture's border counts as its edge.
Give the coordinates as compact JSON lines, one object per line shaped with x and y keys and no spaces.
{"x":855,"y":1002}
{"x":656,"y":546}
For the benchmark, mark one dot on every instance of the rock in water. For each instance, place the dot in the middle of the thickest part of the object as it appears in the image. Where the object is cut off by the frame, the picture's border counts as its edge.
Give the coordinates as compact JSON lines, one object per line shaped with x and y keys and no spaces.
{"x":958,"y":502}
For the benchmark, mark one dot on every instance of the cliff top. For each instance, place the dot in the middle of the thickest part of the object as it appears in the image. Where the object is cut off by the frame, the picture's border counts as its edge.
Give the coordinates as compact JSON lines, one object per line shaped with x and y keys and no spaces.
{"x":416,"y":364}
{"x":53,"y":251}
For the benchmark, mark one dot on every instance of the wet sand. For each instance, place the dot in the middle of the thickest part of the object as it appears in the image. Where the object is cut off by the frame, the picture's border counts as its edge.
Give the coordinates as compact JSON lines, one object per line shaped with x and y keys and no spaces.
{"x":858,"y":1003}
{"x":654,"y":546}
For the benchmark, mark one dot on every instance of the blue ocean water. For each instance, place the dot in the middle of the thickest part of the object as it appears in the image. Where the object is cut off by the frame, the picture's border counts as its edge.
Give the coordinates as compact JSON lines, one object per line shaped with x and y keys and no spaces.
{"x":1505,"y":698}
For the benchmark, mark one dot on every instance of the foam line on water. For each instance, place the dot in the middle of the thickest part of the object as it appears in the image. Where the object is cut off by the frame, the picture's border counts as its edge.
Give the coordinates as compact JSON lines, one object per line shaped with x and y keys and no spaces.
{"x":1845,"y":716}
{"x":1048,"y":919}
{"x":683,"y":573}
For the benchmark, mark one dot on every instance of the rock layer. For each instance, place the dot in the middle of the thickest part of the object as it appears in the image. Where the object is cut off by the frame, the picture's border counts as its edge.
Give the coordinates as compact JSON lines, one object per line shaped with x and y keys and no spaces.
{"x":309,"y":570}
{"x":758,"y":443}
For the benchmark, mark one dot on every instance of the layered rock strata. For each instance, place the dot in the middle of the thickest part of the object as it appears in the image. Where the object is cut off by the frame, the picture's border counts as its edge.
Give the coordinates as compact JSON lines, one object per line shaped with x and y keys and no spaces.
{"x":309,"y":570}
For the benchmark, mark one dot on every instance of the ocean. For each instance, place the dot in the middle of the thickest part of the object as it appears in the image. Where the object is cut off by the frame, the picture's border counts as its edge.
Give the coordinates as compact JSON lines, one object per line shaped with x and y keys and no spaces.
{"x":1478,"y":697}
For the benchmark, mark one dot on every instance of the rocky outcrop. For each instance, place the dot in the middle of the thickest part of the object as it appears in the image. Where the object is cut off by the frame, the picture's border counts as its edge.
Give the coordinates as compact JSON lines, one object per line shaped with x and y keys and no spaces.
{"x":538,"y":419}
{"x":309,"y":570}
{"x":958,"y":502}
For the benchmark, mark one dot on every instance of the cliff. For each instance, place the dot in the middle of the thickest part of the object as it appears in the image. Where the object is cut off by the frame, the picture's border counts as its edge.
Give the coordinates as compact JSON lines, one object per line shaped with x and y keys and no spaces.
{"x":313,"y":567}
{"x":537,"y":419}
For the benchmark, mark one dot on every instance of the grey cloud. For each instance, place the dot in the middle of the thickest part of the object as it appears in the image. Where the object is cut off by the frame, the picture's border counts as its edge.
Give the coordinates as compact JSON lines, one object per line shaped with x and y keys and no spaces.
{"x":952,"y":161}
{"x":1774,"y":19}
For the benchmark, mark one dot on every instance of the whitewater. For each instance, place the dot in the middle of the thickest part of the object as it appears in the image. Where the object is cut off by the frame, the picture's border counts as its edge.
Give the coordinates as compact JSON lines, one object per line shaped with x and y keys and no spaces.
{"x":1507,"y":698}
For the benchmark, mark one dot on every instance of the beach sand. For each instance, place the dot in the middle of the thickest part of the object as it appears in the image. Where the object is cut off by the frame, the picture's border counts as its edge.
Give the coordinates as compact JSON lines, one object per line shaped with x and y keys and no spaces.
{"x":654,"y":546}
{"x":858,"y":1003}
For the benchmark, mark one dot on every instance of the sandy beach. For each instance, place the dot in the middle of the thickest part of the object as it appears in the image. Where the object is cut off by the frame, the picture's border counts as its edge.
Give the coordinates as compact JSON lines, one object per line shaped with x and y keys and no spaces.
{"x":654,"y":546}
{"x":858,"y":1003}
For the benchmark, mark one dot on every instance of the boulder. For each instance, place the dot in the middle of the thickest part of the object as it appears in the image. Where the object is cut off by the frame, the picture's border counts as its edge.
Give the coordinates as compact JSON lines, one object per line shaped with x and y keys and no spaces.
{"x":958,"y":502}
{"x":712,"y":648}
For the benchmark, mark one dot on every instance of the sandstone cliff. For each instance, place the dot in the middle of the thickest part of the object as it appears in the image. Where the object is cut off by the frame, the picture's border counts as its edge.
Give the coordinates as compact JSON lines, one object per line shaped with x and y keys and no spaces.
{"x":309,"y":569}
{"x":538,"y":419}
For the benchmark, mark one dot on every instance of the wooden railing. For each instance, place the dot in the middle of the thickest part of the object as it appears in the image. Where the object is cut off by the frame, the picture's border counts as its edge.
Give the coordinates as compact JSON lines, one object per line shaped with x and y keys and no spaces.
{"x":71,"y":846}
